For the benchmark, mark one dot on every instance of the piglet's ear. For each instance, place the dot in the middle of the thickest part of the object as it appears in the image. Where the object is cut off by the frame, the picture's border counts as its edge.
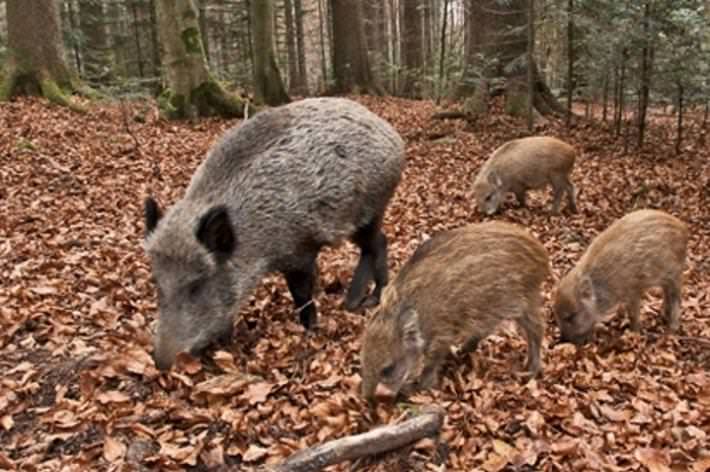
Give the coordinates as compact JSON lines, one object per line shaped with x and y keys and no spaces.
{"x":152,"y":214}
{"x":216,"y":233}
{"x":408,"y":321}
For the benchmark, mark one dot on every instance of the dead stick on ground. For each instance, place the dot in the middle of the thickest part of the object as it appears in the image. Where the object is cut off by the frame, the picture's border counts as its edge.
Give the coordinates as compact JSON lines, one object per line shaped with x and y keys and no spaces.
{"x":382,"y":439}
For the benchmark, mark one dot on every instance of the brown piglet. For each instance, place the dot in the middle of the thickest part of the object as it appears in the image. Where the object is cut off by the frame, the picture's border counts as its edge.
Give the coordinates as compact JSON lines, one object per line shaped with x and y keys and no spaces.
{"x":526,"y":164}
{"x":644,"y":249}
{"x":456,"y":288}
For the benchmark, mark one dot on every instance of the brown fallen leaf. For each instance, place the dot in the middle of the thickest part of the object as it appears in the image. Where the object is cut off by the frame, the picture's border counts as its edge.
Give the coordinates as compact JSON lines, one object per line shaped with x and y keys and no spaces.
{"x":114,"y":450}
{"x":258,"y":392}
{"x":654,"y":459}
{"x":254,"y":453}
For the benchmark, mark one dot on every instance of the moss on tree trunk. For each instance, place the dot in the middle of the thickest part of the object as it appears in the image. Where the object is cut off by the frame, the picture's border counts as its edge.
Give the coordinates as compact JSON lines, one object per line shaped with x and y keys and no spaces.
{"x":190,"y":89}
{"x":36,"y":65}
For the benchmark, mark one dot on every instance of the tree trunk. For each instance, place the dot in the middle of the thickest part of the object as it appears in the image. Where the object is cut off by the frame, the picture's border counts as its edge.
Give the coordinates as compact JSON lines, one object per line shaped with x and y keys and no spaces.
{"x":301,"y":48}
{"x":621,"y":91}
{"x":679,"y":136}
{"x":202,"y":8}
{"x":191,"y":91}
{"x":570,"y":60}
{"x":412,"y":48}
{"x":137,"y":39}
{"x":530,"y":62}
{"x":322,"y":31}
{"x":442,"y":52}
{"x":645,"y":74}
{"x":35,"y":63}
{"x":350,"y":61}
{"x":293,"y":71}
{"x":155,"y":42}
{"x":268,"y":85}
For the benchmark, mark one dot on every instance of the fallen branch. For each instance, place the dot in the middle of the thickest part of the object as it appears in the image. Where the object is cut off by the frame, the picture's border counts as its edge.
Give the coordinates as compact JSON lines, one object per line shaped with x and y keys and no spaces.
{"x":382,"y":439}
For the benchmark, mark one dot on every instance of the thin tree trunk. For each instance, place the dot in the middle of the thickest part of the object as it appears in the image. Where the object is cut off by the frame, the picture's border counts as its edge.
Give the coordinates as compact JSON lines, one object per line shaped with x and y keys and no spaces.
{"x":531,"y":70}
{"x":301,"y":48}
{"x":605,"y":97}
{"x":72,"y":23}
{"x":154,"y":38}
{"x":268,"y":85}
{"x":621,"y":91}
{"x":191,"y":91}
{"x":136,"y":36}
{"x":412,"y":48}
{"x":35,"y":64}
{"x":442,"y":52}
{"x":645,"y":72}
{"x":570,"y":59}
{"x":293,"y":79}
{"x":679,"y":135}
{"x":321,"y":32}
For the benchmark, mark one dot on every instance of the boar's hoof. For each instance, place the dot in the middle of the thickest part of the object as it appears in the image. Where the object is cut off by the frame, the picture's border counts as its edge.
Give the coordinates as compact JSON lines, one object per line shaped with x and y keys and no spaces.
{"x":308,"y":315}
{"x":370,"y":301}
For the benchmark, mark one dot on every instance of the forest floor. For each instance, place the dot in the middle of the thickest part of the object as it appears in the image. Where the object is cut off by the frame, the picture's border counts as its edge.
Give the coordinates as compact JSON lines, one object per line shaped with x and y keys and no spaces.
{"x":79,"y":390}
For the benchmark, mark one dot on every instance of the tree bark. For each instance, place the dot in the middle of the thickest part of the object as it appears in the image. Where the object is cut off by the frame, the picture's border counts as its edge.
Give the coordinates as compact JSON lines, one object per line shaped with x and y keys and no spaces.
{"x":293,"y":71}
{"x":191,"y":91}
{"x":350,"y":62}
{"x":645,"y":74}
{"x":570,"y":59}
{"x":35,"y":63}
{"x":442,"y":52}
{"x":412,"y":48}
{"x":268,"y":85}
{"x":301,"y":48}
{"x":679,"y":133}
{"x":530,"y":62}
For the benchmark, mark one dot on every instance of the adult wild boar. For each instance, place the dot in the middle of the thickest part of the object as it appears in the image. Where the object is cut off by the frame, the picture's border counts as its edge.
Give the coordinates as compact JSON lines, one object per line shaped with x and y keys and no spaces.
{"x":456,"y":288}
{"x":644,"y":249}
{"x":269,"y":195}
{"x":526,"y":164}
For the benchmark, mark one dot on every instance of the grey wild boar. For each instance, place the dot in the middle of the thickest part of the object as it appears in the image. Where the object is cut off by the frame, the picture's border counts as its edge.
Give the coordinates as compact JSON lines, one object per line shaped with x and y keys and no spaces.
{"x":644,"y":249}
{"x":268,"y":196}
{"x":456,"y":288}
{"x":526,"y":164}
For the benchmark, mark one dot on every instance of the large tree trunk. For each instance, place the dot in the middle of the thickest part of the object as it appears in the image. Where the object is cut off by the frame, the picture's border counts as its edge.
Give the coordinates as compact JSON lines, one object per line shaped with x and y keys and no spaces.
{"x":35,"y":63}
{"x":496,"y":39}
{"x":295,"y":83}
{"x":412,"y":48}
{"x":268,"y":85}
{"x":350,"y":62}
{"x":190,"y":91}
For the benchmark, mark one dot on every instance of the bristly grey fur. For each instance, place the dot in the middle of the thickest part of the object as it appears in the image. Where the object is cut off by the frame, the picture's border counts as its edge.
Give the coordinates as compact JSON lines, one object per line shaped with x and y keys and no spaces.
{"x":293,"y":179}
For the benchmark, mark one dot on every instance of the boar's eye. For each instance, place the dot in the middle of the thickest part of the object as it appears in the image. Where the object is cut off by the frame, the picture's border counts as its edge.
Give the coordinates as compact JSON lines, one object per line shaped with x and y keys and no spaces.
{"x":569,"y":317}
{"x":387,"y":371}
{"x":488,"y":197}
{"x":194,"y":288}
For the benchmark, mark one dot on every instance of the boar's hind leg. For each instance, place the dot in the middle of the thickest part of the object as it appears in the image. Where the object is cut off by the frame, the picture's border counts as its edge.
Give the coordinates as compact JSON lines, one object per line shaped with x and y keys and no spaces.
{"x":371,"y":266}
{"x":300,"y":283}
{"x":633,"y":307}
{"x":534,"y":329}
{"x":671,"y":303}
{"x":571,"y":202}
{"x":520,"y":196}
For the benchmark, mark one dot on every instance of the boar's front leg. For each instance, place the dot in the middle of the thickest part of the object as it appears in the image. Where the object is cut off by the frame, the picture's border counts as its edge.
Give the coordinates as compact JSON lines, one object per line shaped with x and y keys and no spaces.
{"x":671,"y":303}
{"x":371,"y":266}
{"x":571,"y":200}
{"x":300,"y":283}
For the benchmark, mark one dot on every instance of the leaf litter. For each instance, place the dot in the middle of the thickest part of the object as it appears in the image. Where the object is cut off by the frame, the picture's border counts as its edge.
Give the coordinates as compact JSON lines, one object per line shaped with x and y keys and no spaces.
{"x":80,"y":390}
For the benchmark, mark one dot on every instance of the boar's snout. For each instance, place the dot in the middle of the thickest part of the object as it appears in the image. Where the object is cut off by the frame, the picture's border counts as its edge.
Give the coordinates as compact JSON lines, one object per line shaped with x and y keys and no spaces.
{"x":165,"y":352}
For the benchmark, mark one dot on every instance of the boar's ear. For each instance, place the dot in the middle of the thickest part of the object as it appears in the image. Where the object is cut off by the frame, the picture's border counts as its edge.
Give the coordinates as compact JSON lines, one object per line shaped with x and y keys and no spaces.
{"x":215,"y":232}
{"x":152,"y":214}
{"x":586,"y":292}
{"x":494,"y":179}
{"x":408,"y":321}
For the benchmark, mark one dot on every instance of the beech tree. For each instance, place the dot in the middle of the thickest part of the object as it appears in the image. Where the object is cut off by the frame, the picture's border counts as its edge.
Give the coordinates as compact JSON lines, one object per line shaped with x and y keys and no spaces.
{"x":191,"y":90}
{"x":268,"y":86}
{"x":35,"y":64}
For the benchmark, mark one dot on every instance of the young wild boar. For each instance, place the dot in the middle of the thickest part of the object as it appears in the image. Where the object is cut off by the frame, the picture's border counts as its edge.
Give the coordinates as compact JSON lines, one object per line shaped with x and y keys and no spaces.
{"x":456,"y":288}
{"x":643,"y":249}
{"x":526,"y":164}
{"x":269,"y":195}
